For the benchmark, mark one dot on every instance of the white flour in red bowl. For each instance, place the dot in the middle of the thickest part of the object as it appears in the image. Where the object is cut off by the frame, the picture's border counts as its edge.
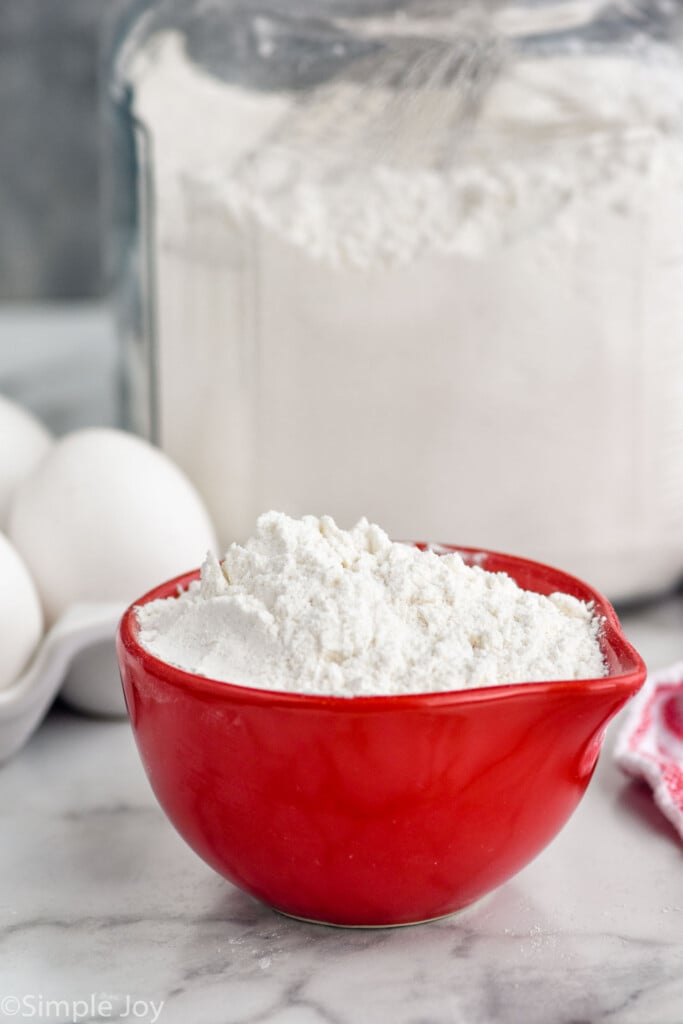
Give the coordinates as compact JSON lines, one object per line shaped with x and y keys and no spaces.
{"x":305,"y":606}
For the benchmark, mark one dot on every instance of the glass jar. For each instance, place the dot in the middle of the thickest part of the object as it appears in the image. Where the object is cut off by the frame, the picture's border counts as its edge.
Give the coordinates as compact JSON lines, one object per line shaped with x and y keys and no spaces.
{"x":415,"y":261}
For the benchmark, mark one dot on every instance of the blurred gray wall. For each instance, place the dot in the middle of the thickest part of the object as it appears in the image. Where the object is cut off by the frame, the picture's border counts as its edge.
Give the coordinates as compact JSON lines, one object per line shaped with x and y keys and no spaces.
{"x":49,"y":149}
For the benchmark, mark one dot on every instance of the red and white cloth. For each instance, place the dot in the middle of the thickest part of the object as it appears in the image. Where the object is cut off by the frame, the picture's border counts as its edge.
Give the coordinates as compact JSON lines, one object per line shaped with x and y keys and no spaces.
{"x":650,"y":745}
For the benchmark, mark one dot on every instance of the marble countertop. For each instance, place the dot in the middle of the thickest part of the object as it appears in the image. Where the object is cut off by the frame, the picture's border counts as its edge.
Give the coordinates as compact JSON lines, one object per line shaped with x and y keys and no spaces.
{"x":107,"y":915}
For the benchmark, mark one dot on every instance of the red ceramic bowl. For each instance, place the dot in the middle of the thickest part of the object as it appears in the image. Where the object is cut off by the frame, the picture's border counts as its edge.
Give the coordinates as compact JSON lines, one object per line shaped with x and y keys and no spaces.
{"x":373,"y":810}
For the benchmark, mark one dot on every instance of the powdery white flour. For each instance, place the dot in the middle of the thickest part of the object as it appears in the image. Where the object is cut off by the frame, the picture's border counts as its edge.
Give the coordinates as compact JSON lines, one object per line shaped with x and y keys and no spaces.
{"x":330,"y":326}
{"x":305,"y":606}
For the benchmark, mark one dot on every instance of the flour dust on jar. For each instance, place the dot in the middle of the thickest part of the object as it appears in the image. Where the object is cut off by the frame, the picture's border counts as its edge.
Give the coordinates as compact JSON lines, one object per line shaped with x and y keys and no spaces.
{"x":415,"y":261}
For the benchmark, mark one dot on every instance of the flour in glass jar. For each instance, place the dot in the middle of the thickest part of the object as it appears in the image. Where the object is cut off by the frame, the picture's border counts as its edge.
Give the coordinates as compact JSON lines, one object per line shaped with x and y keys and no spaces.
{"x":505,"y":320}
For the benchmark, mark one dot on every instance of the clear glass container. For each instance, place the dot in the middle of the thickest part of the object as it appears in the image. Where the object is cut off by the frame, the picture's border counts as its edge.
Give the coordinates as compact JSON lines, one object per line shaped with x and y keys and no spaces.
{"x":415,"y":261}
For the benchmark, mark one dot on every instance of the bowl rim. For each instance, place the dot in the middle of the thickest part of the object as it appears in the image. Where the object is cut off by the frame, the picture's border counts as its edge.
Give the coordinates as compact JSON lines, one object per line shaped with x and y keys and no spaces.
{"x":625,"y":682}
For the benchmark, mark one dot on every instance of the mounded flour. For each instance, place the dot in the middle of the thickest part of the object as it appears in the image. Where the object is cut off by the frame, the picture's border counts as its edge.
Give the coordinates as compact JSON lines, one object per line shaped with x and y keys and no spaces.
{"x":305,"y":606}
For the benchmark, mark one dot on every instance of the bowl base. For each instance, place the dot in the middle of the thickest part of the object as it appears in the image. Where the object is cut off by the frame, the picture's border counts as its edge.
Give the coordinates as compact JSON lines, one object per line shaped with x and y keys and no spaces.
{"x":462,"y":911}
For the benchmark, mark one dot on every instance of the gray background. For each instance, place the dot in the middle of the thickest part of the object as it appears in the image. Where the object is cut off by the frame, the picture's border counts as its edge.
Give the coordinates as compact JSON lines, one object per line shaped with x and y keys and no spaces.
{"x":50,"y":152}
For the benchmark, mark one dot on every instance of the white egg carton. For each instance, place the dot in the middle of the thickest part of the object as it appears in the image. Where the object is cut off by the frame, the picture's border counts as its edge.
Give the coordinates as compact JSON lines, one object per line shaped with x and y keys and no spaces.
{"x":85,"y":514}
{"x":76,"y":658}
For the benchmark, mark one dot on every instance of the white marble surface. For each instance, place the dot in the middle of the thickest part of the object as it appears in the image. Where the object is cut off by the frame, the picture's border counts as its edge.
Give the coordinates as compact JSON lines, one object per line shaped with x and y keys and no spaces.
{"x":104,"y":909}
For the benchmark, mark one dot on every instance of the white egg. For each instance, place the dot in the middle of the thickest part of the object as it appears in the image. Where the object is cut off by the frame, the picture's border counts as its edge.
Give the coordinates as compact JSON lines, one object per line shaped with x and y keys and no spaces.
{"x":23,"y":443}
{"x":21,"y":618}
{"x":106,"y":517}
